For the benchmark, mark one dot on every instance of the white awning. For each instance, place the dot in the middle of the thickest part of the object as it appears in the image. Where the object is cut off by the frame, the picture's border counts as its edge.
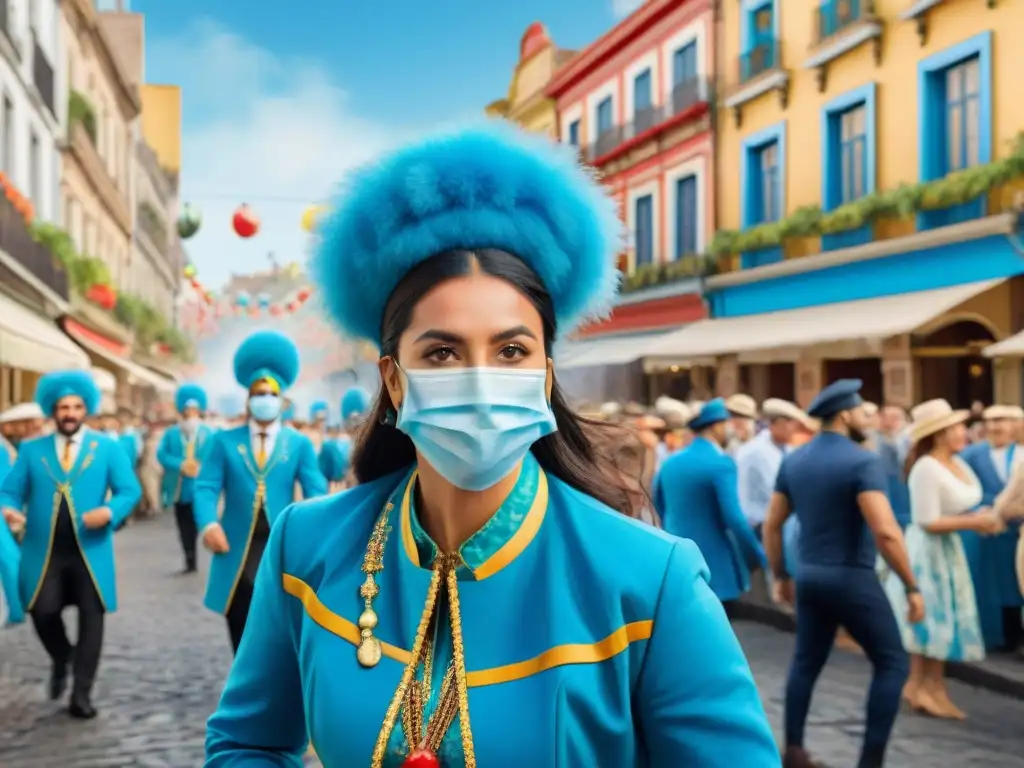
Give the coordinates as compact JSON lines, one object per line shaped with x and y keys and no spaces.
{"x":137,"y":374}
{"x":105,"y":381}
{"x":870,"y":319}
{"x":1009,"y":347}
{"x":620,"y":349}
{"x":32,"y":343}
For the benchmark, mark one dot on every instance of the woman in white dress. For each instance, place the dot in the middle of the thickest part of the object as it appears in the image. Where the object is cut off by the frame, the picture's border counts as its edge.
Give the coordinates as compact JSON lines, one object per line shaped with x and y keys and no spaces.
{"x":943,"y":491}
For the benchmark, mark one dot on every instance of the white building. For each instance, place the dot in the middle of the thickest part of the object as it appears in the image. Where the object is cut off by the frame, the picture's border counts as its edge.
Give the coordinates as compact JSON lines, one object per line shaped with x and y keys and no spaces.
{"x":155,"y":273}
{"x":32,"y":90}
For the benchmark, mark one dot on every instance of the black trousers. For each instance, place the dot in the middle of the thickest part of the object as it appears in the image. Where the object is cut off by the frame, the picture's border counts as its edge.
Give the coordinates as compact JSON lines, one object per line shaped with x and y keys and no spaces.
{"x":828,"y":597}
{"x":187,"y":532}
{"x":67,"y":583}
{"x":238,"y":611}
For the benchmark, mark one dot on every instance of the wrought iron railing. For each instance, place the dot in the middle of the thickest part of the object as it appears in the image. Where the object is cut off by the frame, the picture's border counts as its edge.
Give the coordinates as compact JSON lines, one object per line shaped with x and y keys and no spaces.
{"x":761,"y":58}
{"x":833,"y":16}
{"x":17,"y":242}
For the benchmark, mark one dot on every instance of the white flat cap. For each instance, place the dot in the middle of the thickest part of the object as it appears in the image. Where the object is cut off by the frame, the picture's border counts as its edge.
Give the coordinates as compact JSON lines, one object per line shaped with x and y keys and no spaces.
{"x":673,"y":409}
{"x":22,"y":412}
{"x":742,"y":405}
{"x":1002,"y":412}
{"x":774,"y":408}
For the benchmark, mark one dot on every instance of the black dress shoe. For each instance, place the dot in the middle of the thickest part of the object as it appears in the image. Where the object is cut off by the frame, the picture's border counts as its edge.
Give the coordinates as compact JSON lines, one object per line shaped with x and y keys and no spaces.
{"x":58,"y":681}
{"x":81,"y":708}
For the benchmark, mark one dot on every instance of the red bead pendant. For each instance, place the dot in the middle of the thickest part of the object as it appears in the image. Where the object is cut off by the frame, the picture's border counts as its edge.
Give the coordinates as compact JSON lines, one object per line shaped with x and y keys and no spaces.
{"x":421,"y":758}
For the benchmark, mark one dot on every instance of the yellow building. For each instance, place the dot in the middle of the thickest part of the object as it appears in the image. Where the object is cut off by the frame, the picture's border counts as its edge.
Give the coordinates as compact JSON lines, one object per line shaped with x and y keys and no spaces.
{"x":868,"y":177}
{"x":161,"y":124}
{"x":526,"y":103}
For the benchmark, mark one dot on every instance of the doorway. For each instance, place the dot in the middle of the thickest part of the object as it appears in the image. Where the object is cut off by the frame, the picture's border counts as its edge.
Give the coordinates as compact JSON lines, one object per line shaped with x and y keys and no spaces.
{"x":951,"y":366}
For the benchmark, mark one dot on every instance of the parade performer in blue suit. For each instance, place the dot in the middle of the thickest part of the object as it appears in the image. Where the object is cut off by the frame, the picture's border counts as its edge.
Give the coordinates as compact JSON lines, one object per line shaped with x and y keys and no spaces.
{"x":182,"y":451}
{"x":335,"y":456}
{"x":839,"y":491}
{"x":697,"y":497}
{"x":992,"y":559}
{"x":355,"y":405}
{"x":318,"y":413}
{"x":75,"y":487}
{"x":11,"y":610}
{"x":475,"y":601}
{"x":255,"y":467}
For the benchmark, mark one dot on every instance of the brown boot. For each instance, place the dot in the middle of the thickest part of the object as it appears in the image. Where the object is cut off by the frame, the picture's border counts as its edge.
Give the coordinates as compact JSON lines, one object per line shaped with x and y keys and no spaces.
{"x":797,"y":757}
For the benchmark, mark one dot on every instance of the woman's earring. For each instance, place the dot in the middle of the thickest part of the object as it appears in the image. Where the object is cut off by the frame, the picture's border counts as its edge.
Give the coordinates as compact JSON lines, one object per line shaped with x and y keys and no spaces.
{"x":390,"y":418}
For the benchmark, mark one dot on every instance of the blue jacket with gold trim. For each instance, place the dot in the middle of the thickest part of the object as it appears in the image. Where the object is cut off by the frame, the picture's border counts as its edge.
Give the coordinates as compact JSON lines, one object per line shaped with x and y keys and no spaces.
{"x":589,"y":639}
{"x":36,"y":482}
{"x":174,"y":448}
{"x":230,"y":469}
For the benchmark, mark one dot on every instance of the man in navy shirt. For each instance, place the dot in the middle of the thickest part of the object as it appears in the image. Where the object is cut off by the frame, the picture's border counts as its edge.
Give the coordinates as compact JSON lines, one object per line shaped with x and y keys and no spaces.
{"x":838,"y":491}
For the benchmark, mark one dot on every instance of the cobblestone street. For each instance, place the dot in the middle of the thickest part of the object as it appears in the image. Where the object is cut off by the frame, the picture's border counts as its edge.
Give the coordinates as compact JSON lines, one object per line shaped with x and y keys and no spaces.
{"x":166,"y":657}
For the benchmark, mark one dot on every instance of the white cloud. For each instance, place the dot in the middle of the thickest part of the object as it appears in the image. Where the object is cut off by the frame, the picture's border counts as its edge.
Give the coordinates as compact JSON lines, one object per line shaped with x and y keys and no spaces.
{"x":622,"y":8}
{"x":260,"y":129}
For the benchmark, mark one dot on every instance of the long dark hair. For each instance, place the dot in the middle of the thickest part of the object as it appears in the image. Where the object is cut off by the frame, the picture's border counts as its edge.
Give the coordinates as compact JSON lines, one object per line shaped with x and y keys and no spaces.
{"x":922,"y":447}
{"x":569,"y":453}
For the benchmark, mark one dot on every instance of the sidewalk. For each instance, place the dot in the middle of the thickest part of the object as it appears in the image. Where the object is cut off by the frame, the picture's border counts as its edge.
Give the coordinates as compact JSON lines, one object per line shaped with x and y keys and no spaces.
{"x":999,"y":673}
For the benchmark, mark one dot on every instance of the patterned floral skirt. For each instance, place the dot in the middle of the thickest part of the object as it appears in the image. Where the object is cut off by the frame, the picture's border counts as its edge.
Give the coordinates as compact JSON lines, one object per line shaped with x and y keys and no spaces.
{"x":950,"y":630}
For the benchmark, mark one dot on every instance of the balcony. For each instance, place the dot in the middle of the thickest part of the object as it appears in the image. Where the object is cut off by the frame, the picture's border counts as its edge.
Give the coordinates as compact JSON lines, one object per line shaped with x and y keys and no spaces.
{"x":84,"y":152}
{"x":757,"y":72}
{"x":16,"y":241}
{"x":42,"y":76}
{"x":687,"y":101}
{"x":841,"y":26}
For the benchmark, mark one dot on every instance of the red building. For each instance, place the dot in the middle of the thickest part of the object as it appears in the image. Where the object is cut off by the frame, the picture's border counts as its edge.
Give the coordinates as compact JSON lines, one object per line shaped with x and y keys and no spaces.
{"x":636,"y":103}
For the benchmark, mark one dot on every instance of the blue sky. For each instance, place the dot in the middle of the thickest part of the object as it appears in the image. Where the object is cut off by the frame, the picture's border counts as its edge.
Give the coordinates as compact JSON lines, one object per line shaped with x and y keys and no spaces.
{"x":279,"y":103}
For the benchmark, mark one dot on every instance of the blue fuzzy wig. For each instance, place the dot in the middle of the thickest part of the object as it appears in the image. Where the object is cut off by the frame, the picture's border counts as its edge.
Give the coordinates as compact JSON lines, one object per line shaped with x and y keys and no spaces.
{"x":487,"y":187}
{"x":267,"y":355}
{"x":190,"y":396}
{"x":355,"y":402}
{"x":318,"y":408}
{"x":54,"y":386}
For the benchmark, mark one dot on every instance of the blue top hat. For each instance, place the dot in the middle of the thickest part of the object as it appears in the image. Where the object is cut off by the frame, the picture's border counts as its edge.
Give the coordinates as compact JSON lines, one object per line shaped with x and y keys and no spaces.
{"x":713,"y":412}
{"x":267,"y":356}
{"x":190,"y":396}
{"x":488,"y":187}
{"x":840,"y":395}
{"x":54,"y":386}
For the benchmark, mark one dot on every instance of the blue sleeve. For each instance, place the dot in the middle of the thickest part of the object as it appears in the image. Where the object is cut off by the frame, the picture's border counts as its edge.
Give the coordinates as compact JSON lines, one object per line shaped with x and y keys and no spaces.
{"x":164,"y":455}
{"x":726,"y":491}
{"x":209,"y":485}
{"x":125,"y":490}
{"x":658,"y":494}
{"x":15,"y":487}
{"x":260,"y":721}
{"x":10,"y":563}
{"x":782,"y":481}
{"x":871,"y":475}
{"x":706,"y":714}
{"x":311,"y":478}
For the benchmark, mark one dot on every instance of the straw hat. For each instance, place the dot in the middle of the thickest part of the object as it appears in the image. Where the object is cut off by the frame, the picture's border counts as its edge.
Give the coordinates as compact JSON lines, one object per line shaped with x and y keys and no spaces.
{"x":774,"y":408}
{"x":932,"y":417}
{"x":870,"y":409}
{"x":674,"y":411}
{"x":742,"y":405}
{"x":22,"y":412}
{"x":1012,"y":412}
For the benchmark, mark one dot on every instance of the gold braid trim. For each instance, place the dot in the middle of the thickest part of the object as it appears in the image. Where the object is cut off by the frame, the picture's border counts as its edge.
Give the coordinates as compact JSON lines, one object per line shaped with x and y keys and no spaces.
{"x":458,"y":652}
{"x":391,"y":716}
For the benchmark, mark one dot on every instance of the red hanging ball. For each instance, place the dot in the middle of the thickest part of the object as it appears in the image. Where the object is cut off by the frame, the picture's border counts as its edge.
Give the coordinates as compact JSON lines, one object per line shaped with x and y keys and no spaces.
{"x":421,"y":758}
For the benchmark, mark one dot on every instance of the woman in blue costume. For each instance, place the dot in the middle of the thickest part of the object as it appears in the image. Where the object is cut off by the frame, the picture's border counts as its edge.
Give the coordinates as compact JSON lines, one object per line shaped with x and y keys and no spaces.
{"x":11,"y":611}
{"x":477,"y":600}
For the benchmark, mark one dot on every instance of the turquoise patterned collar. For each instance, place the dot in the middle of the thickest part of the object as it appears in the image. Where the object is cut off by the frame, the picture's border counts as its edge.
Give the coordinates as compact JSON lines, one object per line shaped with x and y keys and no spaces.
{"x":502,"y":526}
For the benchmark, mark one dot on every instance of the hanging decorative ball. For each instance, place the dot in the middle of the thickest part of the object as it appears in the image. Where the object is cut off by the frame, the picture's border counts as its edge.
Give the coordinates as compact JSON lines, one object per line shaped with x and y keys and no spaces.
{"x":293,"y":270}
{"x":263,"y":300}
{"x":254,"y":312}
{"x":189,"y":221}
{"x":292,"y":306}
{"x":189,"y":271}
{"x":242,"y":300}
{"x":311,"y":216}
{"x":303,"y":295}
{"x":245,"y":222}
{"x":275,"y":310}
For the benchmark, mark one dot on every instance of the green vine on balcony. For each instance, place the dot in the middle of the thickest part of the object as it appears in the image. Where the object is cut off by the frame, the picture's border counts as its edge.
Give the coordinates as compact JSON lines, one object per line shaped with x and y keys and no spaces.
{"x":686,"y":267}
{"x":900,"y":203}
{"x":149,"y":326}
{"x":80,"y":110}
{"x":83,"y":271}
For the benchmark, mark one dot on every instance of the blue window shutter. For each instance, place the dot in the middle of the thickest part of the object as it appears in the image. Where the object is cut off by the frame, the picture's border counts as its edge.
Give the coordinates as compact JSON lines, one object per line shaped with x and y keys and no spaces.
{"x":644,"y":230}
{"x":642,"y":91}
{"x":684,"y":64}
{"x":574,"y":133}
{"x":686,"y":216}
{"x":605,"y":119}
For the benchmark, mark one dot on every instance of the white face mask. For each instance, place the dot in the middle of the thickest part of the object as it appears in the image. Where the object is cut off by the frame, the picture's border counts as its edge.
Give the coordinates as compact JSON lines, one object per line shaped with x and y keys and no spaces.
{"x":191,"y":424}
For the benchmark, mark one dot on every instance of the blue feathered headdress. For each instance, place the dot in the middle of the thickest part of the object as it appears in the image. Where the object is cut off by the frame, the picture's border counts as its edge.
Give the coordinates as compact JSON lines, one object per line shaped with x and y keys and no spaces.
{"x":487,"y":187}
{"x":267,"y":355}
{"x":354,"y":402}
{"x":190,"y":396}
{"x":53,"y":386}
{"x":318,"y":408}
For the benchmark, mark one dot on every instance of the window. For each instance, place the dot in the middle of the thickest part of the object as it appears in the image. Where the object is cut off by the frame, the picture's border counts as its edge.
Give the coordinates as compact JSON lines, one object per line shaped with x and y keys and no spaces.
{"x":767,"y":188}
{"x":574,"y":133}
{"x":605,"y":118}
{"x":848,"y":147}
{"x":644,"y":230}
{"x":684,"y":64}
{"x":759,"y":50}
{"x":853,"y":170}
{"x":963,"y":116}
{"x":641,"y":92}
{"x":35,"y":171}
{"x":7,"y":139}
{"x":686,"y":216}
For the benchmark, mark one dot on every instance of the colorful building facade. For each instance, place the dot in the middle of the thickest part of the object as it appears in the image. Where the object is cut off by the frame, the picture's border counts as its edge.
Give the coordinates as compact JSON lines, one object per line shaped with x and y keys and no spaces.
{"x":869,"y":196}
{"x":636,"y":104}
{"x":526,"y":103}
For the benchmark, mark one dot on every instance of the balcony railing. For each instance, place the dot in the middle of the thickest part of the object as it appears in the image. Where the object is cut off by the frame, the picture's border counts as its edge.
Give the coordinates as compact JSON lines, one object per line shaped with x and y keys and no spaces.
{"x":763,"y":57}
{"x":833,"y":16}
{"x":17,"y":242}
{"x":683,"y":97}
{"x":42,"y":76}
